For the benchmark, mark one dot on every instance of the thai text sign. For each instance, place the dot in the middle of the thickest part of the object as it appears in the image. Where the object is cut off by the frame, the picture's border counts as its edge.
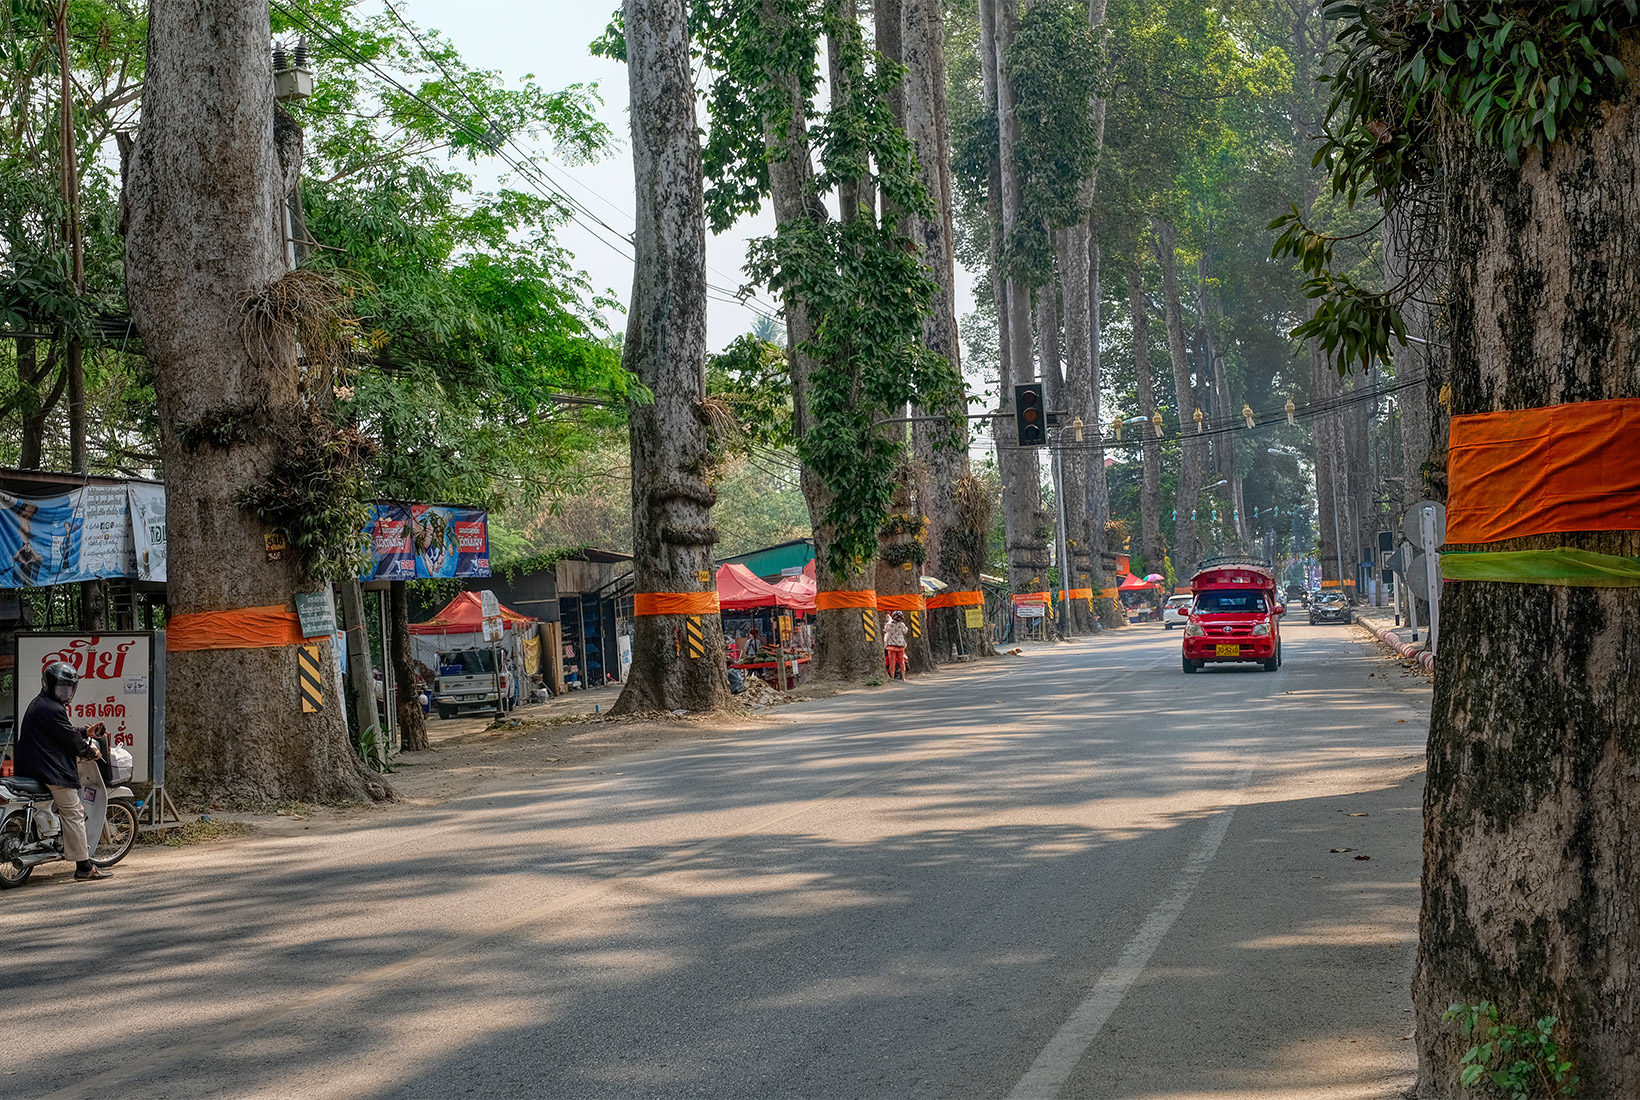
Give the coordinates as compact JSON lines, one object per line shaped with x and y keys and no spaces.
{"x":419,"y":541}
{"x":116,"y":685}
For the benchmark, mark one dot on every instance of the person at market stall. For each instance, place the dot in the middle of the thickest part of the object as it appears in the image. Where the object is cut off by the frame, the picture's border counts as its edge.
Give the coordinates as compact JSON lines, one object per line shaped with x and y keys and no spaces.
{"x":894,"y":644}
{"x":754,"y":644}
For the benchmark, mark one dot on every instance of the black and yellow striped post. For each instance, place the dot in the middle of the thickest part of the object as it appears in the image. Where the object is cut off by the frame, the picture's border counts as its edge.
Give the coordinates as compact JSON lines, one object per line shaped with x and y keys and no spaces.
{"x":695,"y":636}
{"x":916,"y":623}
{"x":310,"y":678}
{"x":868,"y":622}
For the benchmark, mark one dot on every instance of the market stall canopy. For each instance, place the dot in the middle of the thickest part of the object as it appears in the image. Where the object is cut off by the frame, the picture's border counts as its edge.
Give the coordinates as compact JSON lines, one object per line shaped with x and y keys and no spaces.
{"x":797,"y":591}
{"x":1136,"y":584}
{"x":465,"y":615}
{"x":739,"y":589}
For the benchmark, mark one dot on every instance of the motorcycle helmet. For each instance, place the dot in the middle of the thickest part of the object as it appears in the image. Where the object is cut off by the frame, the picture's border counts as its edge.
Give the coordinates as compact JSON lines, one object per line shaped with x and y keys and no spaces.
{"x":59,"y":680}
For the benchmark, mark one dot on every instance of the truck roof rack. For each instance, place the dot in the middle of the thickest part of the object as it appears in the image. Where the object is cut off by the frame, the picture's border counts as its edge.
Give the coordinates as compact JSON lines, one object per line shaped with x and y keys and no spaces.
{"x":1232,"y":559}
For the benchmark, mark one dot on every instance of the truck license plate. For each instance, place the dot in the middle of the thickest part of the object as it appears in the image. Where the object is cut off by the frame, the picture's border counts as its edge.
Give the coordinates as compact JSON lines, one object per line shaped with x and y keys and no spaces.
{"x":1227,"y":651}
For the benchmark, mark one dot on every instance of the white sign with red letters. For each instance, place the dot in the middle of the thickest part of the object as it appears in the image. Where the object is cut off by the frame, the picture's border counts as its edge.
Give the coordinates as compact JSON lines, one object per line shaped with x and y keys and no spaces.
{"x":116,"y":688}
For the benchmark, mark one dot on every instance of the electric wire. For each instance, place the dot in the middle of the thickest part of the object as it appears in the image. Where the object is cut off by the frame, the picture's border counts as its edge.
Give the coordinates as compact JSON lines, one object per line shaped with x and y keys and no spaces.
{"x":542,"y":182}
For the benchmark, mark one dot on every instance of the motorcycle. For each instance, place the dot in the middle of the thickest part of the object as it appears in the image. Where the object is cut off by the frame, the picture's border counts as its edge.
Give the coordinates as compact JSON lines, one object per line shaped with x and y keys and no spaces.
{"x":31,"y":829}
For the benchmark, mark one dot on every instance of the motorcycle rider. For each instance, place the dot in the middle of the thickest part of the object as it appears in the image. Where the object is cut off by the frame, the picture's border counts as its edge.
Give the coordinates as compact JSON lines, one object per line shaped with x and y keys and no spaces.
{"x":48,"y":746}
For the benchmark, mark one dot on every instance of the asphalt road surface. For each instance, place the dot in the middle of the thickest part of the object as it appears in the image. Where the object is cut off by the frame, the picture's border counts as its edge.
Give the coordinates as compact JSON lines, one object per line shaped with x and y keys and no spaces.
{"x":1078,"y":872}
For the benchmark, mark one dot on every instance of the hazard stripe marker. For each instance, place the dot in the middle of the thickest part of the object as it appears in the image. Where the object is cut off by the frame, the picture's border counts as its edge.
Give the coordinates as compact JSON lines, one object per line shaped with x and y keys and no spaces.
{"x":695,"y":634}
{"x":916,"y":624}
{"x":310,"y":679}
{"x":868,"y":620}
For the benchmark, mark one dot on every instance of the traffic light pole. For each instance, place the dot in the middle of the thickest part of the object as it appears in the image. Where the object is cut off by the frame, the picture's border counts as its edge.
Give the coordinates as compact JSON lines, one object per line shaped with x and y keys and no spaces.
{"x":1064,"y":557}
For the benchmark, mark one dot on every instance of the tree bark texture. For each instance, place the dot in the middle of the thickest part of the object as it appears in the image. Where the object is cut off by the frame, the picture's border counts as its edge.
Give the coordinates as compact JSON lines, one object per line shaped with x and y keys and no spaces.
{"x":677,"y":659}
{"x":927,"y":127}
{"x":1531,"y":889}
{"x":1081,"y":546}
{"x":412,"y":722}
{"x":1023,"y":519}
{"x":1186,"y":541}
{"x":205,"y":237}
{"x":1150,"y":489}
{"x":845,"y":648}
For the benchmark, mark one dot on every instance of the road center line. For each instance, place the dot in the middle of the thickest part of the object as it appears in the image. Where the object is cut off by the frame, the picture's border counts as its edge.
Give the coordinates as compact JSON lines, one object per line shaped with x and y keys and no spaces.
{"x":1059,"y":1059}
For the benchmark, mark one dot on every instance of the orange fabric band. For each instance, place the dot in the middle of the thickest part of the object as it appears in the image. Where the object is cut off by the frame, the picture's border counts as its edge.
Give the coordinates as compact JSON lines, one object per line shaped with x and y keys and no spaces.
{"x":841,"y":600}
{"x":1329,"y":584}
{"x":900,"y":603}
{"x":956,"y":599}
{"x":1080,"y":593}
{"x":1031,"y":597}
{"x":1544,"y":471}
{"x":675,"y":603}
{"x":247,"y":628}
{"x":1109,"y":593}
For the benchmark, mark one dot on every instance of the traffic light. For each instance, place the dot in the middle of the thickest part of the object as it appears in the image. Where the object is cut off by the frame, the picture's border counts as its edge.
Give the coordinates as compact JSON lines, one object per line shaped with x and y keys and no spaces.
{"x":1030,"y":418}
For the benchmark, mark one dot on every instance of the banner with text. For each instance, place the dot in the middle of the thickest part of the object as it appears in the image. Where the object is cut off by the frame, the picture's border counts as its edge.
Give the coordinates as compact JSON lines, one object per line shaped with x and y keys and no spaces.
{"x":420,"y":541}
{"x":81,"y":535}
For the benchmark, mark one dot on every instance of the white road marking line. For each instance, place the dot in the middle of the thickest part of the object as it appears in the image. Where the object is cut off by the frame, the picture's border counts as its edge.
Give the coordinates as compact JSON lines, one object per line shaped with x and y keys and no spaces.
{"x":1059,"y":1059}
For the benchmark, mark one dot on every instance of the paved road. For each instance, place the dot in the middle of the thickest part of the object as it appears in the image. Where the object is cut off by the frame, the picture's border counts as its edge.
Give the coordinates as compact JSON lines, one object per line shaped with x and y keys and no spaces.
{"x":1078,"y":872}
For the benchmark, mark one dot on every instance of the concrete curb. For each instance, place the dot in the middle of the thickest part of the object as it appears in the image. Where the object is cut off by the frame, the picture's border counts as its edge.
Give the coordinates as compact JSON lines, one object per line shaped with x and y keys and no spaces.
{"x":1406,"y":649}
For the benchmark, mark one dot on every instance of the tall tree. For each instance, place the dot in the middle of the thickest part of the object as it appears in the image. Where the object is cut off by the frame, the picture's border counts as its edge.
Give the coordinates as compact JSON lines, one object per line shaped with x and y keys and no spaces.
{"x":1528,"y":891}
{"x":677,"y":646}
{"x":206,"y":274}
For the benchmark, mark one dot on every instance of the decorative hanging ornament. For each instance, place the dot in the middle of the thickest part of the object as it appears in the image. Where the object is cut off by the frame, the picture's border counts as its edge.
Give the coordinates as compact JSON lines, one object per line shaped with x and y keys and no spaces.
{"x":1291,"y":409}
{"x":1247,"y":414}
{"x":1156,"y":419}
{"x":1197,"y":415}
{"x":1116,"y":427}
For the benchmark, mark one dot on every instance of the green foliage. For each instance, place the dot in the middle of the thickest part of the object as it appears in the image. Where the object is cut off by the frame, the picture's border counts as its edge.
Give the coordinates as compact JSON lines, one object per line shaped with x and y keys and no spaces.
{"x":866,"y":296}
{"x":863,"y":289}
{"x":1521,"y":1063}
{"x":316,"y":492}
{"x":751,"y":381}
{"x":1520,"y":73}
{"x":1055,"y":62}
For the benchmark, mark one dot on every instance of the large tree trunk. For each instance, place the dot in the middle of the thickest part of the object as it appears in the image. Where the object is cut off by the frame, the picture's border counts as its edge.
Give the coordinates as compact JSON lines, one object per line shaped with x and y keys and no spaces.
{"x":1331,"y":490}
{"x":412,"y":722}
{"x":1023,"y":518}
{"x":1532,"y":805}
{"x":677,"y":652}
{"x":1186,"y":542}
{"x":205,"y":237}
{"x":1078,"y":403}
{"x":1150,"y":489}
{"x":848,"y":645}
{"x":927,"y":127}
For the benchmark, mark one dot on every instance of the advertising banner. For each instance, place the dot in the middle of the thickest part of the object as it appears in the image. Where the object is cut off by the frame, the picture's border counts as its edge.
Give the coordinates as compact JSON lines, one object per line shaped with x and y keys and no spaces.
{"x":147,"y":503}
{"x":116,"y":685}
{"x":420,"y":541}
{"x":77,"y":536}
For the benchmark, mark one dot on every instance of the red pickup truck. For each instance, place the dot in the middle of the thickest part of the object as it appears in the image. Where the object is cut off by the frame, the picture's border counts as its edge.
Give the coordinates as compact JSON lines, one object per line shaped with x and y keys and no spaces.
{"x":1235,"y":617}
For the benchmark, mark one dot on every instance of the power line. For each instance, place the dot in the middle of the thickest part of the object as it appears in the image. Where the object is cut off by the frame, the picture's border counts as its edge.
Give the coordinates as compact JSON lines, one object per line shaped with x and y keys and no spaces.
{"x":543,"y":183}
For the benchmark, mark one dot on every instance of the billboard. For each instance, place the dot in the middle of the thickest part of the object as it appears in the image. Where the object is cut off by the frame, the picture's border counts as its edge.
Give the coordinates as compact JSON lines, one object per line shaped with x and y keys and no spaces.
{"x":82,"y":535}
{"x":116,"y":685}
{"x":420,"y":541}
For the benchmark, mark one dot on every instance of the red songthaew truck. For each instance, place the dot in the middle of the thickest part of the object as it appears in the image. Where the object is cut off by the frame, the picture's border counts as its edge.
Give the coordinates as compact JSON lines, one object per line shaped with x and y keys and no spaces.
{"x":1236,"y":615}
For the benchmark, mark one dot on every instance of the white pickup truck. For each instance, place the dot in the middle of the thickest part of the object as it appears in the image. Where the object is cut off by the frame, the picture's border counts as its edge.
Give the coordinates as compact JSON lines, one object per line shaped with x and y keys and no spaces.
{"x":467,"y":680}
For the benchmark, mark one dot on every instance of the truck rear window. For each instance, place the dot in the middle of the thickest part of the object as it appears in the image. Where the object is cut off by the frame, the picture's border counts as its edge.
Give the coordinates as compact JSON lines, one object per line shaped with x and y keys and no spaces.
{"x":1228,"y":601}
{"x":466,"y":662}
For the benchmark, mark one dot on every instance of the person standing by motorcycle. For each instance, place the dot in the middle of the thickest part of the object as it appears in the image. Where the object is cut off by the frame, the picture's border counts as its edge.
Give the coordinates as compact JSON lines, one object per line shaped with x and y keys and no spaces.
{"x":49,"y":747}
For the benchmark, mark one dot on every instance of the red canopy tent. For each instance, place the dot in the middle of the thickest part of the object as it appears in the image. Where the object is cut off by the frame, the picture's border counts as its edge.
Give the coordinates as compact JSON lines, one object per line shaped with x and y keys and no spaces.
{"x":739,"y":589}
{"x":1136,"y":584}
{"x":797,"y":592}
{"x":465,"y":615}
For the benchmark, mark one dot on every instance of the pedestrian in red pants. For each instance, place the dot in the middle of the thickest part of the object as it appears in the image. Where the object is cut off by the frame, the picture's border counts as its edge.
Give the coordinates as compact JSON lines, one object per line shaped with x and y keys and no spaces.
{"x":894,"y":643}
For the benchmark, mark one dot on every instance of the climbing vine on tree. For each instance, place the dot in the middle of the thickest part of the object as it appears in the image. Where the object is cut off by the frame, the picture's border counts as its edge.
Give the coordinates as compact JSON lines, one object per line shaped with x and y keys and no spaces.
{"x":1517,"y":72}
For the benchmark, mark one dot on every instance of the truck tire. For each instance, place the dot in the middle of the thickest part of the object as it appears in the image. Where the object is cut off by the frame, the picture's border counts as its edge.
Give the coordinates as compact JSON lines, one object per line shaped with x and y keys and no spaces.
{"x":445,"y":712}
{"x":1274,"y":662}
{"x":1191,"y":666}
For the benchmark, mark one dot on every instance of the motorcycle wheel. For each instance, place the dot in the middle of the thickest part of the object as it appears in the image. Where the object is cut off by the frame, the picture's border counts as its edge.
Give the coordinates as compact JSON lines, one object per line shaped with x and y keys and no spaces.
{"x":12,"y":833}
{"x":118,"y":835}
